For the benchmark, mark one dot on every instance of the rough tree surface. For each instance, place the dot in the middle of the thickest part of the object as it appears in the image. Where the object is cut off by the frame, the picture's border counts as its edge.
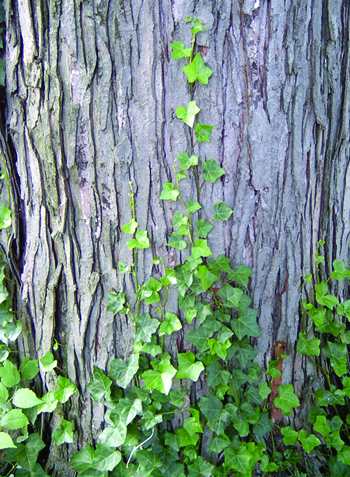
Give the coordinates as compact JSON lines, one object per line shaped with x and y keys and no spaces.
{"x":91,"y":104}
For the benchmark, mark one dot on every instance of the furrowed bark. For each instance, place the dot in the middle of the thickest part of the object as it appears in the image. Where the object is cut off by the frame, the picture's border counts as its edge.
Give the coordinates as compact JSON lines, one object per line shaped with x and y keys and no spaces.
{"x":91,"y":104}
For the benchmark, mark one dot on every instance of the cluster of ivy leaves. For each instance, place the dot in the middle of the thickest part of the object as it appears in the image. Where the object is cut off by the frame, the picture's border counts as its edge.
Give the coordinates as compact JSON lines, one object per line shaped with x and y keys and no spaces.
{"x":153,"y":426}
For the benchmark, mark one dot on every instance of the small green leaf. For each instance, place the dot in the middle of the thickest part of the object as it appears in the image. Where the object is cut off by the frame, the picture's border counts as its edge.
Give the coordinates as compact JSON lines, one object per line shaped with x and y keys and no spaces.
{"x":170,"y":324}
{"x":286,"y":398}
{"x":213,"y":171}
{"x":148,"y":460}
{"x":131,"y":227}
{"x":140,"y":241}
{"x":308,"y":441}
{"x":113,"y":436}
{"x":264,"y":390}
{"x":241,"y":275}
{"x":9,"y":374}
{"x":25,"y":399}
{"x":175,"y":241}
{"x":321,"y":426}
{"x":219,"y":443}
{"x":29,"y":368}
{"x":308,"y":346}
{"x":5,"y":441}
{"x":197,"y":70}
{"x":124,"y":372}
{"x":65,"y":391}
{"x":340,"y":272}
{"x":188,"y":367}
{"x":323,"y":298}
{"x":196,"y":26}
{"x":193,"y":206}
{"x":168,"y":192}
{"x":5,"y":214}
{"x":203,"y":228}
{"x":289,"y":436}
{"x":100,"y":385}
{"x":82,"y":460}
{"x":14,"y":419}
{"x":201,"y":249}
{"x":160,"y":378}
{"x":208,"y":276}
{"x":115,"y":302}
{"x":179,"y":51}
{"x":188,"y":114}
{"x":186,"y":161}
{"x":146,"y":327}
{"x":203,"y":132}
{"x":222,"y":211}
{"x":230,"y":295}
{"x":64,"y":434}
{"x":179,"y":220}
{"x":201,"y":468}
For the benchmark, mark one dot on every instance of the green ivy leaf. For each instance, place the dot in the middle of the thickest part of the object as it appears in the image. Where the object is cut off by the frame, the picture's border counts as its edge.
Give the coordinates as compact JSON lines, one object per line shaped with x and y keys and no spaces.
{"x":64,"y":434}
{"x":203,"y":228}
{"x":115,"y":302}
{"x":161,"y":377}
{"x":5,"y":213}
{"x":67,"y":389}
{"x":246,"y":324}
{"x":100,"y":385}
{"x":241,"y":275}
{"x":222,"y":211}
{"x":189,"y":368}
{"x":175,"y":241}
{"x":263,"y":426}
{"x":179,"y":51}
{"x":200,"y":338}
{"x":26,"y":455}
{"x":213,"y":171}
{"x":197,"y":71}
{"x":9,"y":374}
{"x":188,"y":114}
{"x":105,"y":459}
{"x":126,"y":410}
{"x":289,"y":436}
{"x":321,"y":426}
{"x":308,"y":346}
{"x":140,"y":241}
{"x":14,"y":419}
{"x":308,"y":441}
{"x":179,"y":220}
{"x":239,"y":459}
{"x":131,"y":227}
{"x":193,"y":206}
{"x":266,"y":465}
{"x":340,"y":272}
{"x":264,"y":390}
{"x":149,"y":291}
{"x":25,"y":399}
{"x":197,"y":26}
{"x":286,"y":398}
{"x":207,"y":276}
{"x":230,"y":295}
{"x":337,"y":353}
{"x":148,"y":460}
{"x":168,"y":192}
{"x":322,"y":298}
{"x":29,"y":368}
{"x":186,"y":161}
{"x":203,"y":132}
{"x":6,"y":441}
{"x":146,"y":327}
{"x":219,"y":443}
{"x":113,"y":436}
{"x":124,"y":372}
{"x":317,"y":314}
{"x":201,"y":249}
{"x":170,"y":324}
{"x":200,"y":468}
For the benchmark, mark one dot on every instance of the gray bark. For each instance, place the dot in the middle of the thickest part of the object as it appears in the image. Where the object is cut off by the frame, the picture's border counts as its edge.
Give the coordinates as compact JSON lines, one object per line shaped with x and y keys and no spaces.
{"x":91,"y":101}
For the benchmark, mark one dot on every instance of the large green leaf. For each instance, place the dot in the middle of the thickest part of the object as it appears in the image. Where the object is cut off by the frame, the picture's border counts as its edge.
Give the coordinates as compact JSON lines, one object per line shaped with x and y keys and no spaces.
{"x":203,"y":228}
{"x":186,"y":161}
{"x":25,"y":399}
{"x":212,"y":170}
{"x":200,"y":338}
{"x":105,"y":458}
{"x":230,"y":295}
{"x":29,"y":368}
{"x":193,"y":206}
{"x":161,"y":376}
{"x":188,"y":114}
{"x":170,"y":324}
{"x":201,"y":249}
{"x":127,"y":410}
{"x":200,"y":468}
{"x":241,"y":275}
{"x":26,"y":455}
{"x":208,"y":276}
{"x":168,"y":192}
{"x":115,"y":302}
{"x":114,"y":436}
{"x":175,"y":241}
{"x":246,"y":324}
{"x":189,"y":368}
{"x":308,"y":441}
{"x":124,"y":372}
{"x":140,"y":241}
{"x":82,"y":460}
{"x":308,"y":346}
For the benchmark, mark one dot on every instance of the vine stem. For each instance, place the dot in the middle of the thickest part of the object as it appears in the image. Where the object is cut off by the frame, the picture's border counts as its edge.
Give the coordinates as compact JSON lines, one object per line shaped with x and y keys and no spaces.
{"x":137,"y":447}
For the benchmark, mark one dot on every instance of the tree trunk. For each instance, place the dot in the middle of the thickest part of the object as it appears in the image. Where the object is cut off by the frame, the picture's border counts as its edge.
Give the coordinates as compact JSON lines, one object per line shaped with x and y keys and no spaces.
{"x":91,"y":104}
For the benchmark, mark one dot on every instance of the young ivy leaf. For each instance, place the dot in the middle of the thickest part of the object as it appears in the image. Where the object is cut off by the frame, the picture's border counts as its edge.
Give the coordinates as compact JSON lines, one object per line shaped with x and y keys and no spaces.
{"x":179,"y":51}
{"x":179,"y":220}
{"x":188,"y":367}
{"x":146,"y":326}
{"x":203,"y":132}
{"x":64,"y":434}
{"x":186,"y":161}
{"x":308,"y":346}
{"x":115,"y":302}
{"x":131,"y":227}
{"x":201,"y":249}
{"x":175,"y":241}
{"x":203,"y":228}
{"x":170,"y":324}
{"x":241,"y":275}
{"x":193,"y":206}
{"x":168,"y":192}
{"x":197,"y":26}
{"x":181,"y":175}
{"x":123,"y":372}
{"x":197,"y":70}
{"x":286,"y":398}
{"x":213,"y":171}
{"x":222,"y":211}
{"x":188,"y":114}
{"x":140,"y":241}
{"x":340,"y":272}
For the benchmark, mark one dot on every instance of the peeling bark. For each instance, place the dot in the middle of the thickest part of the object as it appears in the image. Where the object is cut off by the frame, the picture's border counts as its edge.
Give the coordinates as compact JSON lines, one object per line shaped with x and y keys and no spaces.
{"x":91,"y":100}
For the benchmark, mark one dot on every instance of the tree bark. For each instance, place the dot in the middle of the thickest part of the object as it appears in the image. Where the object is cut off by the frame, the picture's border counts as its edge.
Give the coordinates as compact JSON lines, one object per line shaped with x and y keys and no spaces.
{"x":91,"y":104}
